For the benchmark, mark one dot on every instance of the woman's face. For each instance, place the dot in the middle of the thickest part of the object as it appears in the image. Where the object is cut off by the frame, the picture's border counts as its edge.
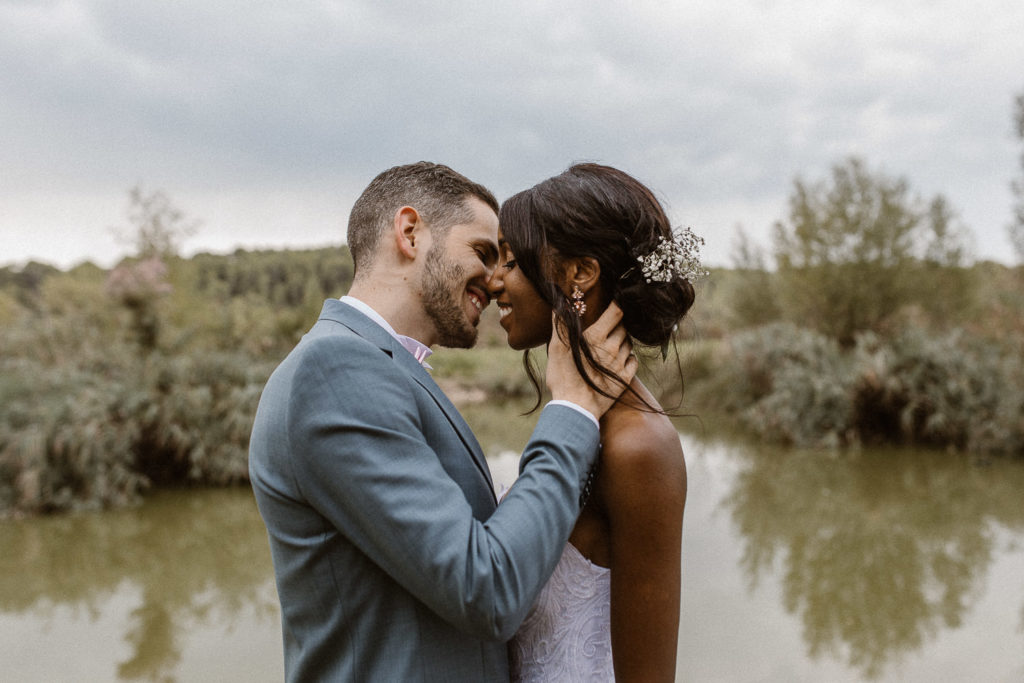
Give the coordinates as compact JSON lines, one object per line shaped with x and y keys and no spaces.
{"x":524,"y":315}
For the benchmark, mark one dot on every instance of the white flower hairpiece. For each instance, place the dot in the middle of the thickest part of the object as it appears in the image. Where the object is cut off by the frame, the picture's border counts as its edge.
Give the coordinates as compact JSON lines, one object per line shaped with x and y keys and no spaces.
{"x":672,"y":258}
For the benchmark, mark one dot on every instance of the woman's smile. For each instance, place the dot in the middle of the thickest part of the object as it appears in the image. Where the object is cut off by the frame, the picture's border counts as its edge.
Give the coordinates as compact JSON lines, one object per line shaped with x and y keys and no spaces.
{"x":512,"y":292}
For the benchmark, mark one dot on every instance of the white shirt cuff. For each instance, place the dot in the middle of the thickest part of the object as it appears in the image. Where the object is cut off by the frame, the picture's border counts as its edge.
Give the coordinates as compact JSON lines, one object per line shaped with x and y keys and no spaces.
{"x":579,"y":409}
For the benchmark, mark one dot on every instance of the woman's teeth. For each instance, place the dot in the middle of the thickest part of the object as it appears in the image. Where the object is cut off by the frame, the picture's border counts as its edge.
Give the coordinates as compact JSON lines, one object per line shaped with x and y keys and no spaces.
{"x":503,"y":311}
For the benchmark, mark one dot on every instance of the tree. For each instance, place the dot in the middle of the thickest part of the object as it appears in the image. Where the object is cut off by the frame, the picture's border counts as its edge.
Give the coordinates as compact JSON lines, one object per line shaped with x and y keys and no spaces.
{"x":752,"y":299}
{"x":854,"y":248}
{"x":943,"y":285}
{"x":1016,"y":228}
{"x":137,"y":284}
{"x":158,"y":228}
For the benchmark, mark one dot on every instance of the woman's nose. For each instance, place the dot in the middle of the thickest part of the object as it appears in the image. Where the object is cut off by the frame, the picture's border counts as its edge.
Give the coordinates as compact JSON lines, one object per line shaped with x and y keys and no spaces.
{"x":495,"y":283}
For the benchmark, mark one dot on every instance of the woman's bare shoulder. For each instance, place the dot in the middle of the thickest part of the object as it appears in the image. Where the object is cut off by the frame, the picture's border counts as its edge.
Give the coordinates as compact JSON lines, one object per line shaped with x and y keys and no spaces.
{"x":636,"y":440}
{"x":642,"y":480}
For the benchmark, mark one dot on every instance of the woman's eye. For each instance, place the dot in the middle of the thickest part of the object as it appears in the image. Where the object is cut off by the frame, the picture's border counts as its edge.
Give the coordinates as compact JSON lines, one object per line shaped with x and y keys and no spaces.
{"x":510,"y":264}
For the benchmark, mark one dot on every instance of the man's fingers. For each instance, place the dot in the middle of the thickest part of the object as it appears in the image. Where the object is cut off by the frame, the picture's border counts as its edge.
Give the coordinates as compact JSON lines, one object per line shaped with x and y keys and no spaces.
{"x":629,"y":370}
{"x":558,"y":331}
{"x":612,"y":350}
{"x":605,"y":340}
{"x":608,"y":341}
{"x":613,"y":343}
{"x":626,"y":357}
{"x":608,"y":320}
{"x":626,"y":347}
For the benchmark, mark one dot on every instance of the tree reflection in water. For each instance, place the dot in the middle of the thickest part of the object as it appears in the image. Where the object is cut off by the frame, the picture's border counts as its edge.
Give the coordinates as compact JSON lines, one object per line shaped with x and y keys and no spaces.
{"x":195,"y":557}
{"x":880,"y":549}
{"x":878,"y":554}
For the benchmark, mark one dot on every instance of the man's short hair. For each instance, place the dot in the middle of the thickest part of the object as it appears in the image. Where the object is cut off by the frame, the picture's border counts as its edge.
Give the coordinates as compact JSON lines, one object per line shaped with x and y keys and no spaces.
{"x":437,"y":192}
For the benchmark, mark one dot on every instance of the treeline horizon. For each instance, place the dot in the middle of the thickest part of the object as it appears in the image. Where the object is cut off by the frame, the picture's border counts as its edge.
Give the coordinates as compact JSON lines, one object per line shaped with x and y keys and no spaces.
{"x":869,"y":326}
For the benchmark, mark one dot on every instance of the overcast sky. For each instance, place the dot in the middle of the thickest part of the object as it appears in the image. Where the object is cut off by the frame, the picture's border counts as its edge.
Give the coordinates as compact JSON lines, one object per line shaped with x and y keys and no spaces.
{"x":265,"y":120}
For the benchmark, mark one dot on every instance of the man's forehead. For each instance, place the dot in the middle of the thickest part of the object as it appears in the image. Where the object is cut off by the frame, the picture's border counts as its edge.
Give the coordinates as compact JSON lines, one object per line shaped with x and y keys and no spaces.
{"x":483,"y":227}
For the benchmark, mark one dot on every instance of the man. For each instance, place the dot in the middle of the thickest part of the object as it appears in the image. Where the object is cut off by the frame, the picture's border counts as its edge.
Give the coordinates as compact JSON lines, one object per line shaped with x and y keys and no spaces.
{"x":393,"y":561}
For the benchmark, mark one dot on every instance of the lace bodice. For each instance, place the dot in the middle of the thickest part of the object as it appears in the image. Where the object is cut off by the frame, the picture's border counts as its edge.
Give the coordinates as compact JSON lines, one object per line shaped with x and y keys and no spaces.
{"x":567,"y":634}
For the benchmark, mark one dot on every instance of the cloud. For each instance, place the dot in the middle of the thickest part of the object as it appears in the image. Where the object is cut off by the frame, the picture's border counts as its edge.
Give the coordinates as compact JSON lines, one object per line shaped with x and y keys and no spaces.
{"x":290,"y":109}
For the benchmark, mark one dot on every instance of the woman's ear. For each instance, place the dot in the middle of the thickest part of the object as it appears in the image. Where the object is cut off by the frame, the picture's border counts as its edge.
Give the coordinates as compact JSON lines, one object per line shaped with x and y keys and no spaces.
{"x":582,"y":272}
{"x":407,"y":230}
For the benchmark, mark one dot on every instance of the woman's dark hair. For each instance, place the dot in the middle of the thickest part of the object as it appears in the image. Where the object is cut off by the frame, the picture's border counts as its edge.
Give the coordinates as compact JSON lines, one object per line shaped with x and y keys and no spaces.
{"x":602,"y":213}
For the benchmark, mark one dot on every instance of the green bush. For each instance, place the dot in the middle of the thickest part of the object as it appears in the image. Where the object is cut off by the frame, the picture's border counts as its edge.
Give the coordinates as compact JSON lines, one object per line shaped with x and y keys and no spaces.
{"x":1003,"y":434}
{"x":794,"y":386}
{"x":945,"y":390}
{"x":64,"y":443}
{"x":71,"y":438}
{"x":791,"y":385}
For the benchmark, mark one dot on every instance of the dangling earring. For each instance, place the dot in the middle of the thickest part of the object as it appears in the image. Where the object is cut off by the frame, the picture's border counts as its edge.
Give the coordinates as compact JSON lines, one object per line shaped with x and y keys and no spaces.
{"x":577,"y":301}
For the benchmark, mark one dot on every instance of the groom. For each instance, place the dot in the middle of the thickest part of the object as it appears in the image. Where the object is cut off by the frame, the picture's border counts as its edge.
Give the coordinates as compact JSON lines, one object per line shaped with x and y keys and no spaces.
{"x":393,"y":561}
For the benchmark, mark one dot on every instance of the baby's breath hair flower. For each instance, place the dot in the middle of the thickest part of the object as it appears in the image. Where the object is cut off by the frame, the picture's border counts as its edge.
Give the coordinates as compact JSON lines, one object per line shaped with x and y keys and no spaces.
{"x":673,"y":258}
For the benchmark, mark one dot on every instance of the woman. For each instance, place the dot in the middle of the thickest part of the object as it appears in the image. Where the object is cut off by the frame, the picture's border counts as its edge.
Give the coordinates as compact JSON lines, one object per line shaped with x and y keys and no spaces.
{"x":571,"y":245}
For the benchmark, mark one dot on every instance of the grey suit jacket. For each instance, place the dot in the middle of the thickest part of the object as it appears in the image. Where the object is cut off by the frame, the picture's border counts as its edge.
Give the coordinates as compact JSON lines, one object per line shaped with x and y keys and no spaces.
{"x":392,"y":560}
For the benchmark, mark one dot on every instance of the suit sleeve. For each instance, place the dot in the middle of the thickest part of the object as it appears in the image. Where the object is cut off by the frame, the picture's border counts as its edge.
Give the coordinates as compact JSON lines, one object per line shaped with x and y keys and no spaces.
{"x":360,"y":458}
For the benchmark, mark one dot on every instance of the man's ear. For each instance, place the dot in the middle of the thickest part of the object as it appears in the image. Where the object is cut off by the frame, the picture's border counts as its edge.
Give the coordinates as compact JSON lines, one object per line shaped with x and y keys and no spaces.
{"x":582,"y":272}
{"x":408,"y":231}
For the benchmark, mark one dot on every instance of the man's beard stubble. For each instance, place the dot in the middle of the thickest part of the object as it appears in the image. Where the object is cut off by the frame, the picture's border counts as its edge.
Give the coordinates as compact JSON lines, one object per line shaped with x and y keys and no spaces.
{"x":441,"y":303}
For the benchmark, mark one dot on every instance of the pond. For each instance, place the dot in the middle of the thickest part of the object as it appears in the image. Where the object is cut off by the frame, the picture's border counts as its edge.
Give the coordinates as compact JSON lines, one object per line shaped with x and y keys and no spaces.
{"x":798,"y":566}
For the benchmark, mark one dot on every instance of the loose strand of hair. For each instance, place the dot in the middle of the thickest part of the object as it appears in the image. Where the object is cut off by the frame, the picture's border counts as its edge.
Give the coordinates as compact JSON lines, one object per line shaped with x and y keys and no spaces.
{"x":531,"y":374}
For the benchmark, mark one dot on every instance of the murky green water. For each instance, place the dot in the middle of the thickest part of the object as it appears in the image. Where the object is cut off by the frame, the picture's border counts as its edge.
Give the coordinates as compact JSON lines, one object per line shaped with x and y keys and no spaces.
{"x":882,"y":565}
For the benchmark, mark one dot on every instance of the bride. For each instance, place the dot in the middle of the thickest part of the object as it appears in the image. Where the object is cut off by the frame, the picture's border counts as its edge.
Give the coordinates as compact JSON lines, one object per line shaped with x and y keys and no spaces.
{"x":571,"y":245}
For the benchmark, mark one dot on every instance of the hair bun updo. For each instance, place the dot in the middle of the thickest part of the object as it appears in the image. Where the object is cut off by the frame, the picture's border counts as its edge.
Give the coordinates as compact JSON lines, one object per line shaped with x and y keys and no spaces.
{"x":651,"y":310}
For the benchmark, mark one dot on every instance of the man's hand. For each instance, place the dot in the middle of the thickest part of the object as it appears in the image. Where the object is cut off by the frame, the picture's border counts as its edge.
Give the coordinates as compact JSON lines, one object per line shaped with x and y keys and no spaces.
{"x":611,"y":347}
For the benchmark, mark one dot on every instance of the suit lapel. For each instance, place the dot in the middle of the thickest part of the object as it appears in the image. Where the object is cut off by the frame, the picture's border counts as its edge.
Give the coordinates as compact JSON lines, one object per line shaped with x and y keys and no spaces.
{"x":424,"y":379}
{"x":351,"y":318}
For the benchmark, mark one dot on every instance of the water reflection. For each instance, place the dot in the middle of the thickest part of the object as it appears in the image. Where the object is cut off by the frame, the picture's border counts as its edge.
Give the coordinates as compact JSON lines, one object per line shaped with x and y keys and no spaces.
{"x":891,"y":565}
{"x":190,"y":558}
{"x":877,"y":552}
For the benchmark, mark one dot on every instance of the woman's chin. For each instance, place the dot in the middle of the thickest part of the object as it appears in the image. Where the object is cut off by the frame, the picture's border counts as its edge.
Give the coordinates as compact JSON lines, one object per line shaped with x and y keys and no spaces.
{"x":527,"y":344}
{"x":522,"y":339}
{"x":517,"y":344}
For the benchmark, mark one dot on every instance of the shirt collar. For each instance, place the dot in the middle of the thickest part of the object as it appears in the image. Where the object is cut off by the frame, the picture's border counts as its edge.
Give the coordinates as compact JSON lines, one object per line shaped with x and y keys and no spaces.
{"x":419,"y":350}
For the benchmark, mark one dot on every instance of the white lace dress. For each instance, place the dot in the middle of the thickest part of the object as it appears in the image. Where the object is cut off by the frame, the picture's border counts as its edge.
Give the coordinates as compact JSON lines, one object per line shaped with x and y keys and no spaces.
{"x":566,"y":636}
